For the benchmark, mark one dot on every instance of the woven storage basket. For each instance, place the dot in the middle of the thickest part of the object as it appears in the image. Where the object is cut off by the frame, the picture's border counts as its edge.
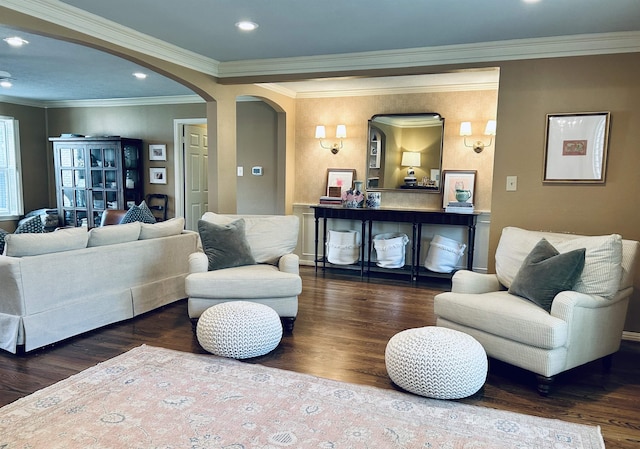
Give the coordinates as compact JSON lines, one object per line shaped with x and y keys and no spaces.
{"x":444,"y":254}
{"x":343,"y":247}
{"x":390,"y":249}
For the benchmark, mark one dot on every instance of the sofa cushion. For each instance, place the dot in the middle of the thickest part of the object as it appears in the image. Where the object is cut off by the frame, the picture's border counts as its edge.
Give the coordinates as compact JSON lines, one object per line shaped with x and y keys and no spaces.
{"x":18,"y":245}
{"x":270,"y":236}
{"x":545,"y":273}
{"x":602,"y":271}
{"x":139,"y":213}
{"x":110,"y":235}
{"x":31,"y":226}
{"x":174,"y":226}
{"x":505,"y":315}
{"x":225,"y":245}
{"x":246,"y":282}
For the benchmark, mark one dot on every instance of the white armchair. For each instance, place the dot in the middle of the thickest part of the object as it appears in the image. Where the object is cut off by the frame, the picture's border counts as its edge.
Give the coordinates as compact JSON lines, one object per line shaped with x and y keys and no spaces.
{"x":274,"y":280}
{"x":583,"y":325}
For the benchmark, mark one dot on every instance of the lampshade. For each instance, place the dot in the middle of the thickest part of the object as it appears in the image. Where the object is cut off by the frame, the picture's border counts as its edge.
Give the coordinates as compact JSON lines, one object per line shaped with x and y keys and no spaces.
{"x":465,"y":128}
{"x":410,"y":159}
{"x":341,"y":132}
{"x":320,"y":133}
{"x":490,"y":130}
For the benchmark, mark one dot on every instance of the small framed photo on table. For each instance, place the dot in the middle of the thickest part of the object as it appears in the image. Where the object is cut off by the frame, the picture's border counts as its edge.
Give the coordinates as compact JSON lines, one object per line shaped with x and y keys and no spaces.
{"x":339,"y":180}
{"x":158,"y":175}
{"x":576,"y":148}
{"x":453,"y":180}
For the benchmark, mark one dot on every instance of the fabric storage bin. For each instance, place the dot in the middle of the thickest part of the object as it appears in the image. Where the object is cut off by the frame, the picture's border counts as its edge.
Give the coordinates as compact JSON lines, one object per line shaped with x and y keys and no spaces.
{"x":390,"y":249}
{"x":343,"y":247}
{"x":444,"y":254}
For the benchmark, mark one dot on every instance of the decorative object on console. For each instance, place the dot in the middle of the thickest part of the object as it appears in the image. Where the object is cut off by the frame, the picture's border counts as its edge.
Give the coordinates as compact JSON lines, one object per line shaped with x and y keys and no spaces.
{"x":341,"y":133}
{"x":576,"y":148}
{"x":459,"y":186}
{"x":478,"y":145}
{"x":410,"y":159}
{"x":354,"y":198}
{"x":374,"y":199}
{"x":339,"y":180}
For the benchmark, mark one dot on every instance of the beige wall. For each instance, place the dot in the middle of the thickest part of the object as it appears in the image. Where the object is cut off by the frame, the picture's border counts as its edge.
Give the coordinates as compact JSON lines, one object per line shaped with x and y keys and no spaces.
{"x":152,"y":124}
{"x":34,"y":154}
{"x":312,"y":161}
{"x":528,"y":91}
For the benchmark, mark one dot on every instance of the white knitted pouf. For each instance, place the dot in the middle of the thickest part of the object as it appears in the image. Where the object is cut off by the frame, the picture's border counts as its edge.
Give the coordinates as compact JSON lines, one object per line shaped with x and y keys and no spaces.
{"x":436,"y":362}
{"x":239,"y":329}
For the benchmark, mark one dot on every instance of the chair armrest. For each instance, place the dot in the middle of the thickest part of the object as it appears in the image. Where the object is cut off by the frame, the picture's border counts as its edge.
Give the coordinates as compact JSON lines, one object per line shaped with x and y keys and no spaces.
{"x":465,"y":281}
{"x":198,"y":263}
{"x":289,"y":263}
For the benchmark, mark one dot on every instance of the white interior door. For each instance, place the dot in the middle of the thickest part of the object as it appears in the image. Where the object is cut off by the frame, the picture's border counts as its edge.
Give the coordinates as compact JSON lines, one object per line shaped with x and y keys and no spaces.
{"x":196,"y":190}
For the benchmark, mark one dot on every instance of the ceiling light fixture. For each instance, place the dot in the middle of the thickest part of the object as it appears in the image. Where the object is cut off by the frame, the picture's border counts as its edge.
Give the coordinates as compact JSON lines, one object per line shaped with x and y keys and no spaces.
{"x":16,"y":41}
{"x":140,"y":75}
{"x":246,"y":25}
{"x":5,"y":79}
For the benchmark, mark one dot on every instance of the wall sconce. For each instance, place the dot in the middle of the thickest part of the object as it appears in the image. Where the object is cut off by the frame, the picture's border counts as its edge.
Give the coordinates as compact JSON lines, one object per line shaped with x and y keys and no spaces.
{"x":478,"y":145}
{"x":341,"y":133}
{"x":410,"y":159}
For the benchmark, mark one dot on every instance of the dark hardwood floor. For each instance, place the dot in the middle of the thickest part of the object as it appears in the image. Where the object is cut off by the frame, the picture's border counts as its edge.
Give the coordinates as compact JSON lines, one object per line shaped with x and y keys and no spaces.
{"x":341,"y":332}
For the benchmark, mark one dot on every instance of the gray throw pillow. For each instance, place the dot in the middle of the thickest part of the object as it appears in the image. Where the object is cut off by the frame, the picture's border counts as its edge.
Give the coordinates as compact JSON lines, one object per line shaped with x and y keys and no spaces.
{"x":140,"y":213}
{"x":225,"y":245}
{"x":545,"y":273}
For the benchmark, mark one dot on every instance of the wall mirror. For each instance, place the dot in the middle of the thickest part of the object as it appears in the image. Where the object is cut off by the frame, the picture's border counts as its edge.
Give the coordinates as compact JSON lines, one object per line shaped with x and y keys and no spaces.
{"x":404,"y":152}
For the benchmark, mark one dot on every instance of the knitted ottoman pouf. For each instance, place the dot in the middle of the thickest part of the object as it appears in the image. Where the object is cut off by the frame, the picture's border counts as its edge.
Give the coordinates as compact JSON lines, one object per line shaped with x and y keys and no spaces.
{"x":436,"y":362}
{"x":239,"y":329}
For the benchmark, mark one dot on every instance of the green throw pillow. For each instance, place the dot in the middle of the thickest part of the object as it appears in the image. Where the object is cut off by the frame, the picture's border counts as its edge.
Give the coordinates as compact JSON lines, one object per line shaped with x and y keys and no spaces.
{"x":225,"y":245}
{"x":545,"y":273}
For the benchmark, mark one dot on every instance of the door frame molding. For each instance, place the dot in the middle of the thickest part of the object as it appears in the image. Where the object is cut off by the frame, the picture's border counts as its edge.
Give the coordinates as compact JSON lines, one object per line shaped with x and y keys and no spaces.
{"x":178,"y":158}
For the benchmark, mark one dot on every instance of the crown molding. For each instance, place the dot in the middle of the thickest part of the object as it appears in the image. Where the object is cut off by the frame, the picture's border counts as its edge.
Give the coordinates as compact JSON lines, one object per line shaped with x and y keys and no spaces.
{"x":110,"y":102}
{"x":76,"y":19}
{"x":551,"y":47}
{"x":395,"y":90}
{"x":107,"y":102}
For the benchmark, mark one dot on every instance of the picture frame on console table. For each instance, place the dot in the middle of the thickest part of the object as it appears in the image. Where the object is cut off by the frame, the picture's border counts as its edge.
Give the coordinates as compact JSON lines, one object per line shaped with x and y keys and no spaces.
{"x":454,"y":179}
{"x":341,"y":178}
{"x":576,"y":148}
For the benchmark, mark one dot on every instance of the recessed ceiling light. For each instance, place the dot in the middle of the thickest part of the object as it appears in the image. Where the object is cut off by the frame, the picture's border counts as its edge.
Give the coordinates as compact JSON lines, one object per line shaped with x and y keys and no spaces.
{"x":15,"y":41}
{"x":140,"y":75}
{"x":246,"y":25}
{"x":5,"y":83}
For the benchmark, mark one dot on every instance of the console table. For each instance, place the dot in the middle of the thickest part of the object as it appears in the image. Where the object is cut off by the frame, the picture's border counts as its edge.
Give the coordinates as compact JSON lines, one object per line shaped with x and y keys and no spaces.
{"x":416,"y":217}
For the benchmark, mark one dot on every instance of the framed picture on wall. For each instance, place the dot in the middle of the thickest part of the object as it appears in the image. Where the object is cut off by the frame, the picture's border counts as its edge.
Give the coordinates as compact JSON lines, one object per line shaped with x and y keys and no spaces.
{"x":576,"y":147}
{"x":157,"y":152}
{"x":158,"y":175}
{"x":458,"y":180}
{"x":339,"y":180}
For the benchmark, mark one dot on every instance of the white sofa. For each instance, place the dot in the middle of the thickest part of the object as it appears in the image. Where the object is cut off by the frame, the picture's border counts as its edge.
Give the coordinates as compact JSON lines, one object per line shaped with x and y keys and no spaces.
{"x":584,"y":323}
{"x":57,"y":285}
{"x":274,"y":280}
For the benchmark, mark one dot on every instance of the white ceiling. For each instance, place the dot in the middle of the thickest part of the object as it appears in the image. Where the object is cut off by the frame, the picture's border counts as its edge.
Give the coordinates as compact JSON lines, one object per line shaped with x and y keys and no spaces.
{"x":298,"y":36}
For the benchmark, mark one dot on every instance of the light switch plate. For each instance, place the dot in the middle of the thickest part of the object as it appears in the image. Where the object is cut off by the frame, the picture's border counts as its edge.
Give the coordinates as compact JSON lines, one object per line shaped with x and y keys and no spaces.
{"x":240,"y":171}
{"x":512,"y":183}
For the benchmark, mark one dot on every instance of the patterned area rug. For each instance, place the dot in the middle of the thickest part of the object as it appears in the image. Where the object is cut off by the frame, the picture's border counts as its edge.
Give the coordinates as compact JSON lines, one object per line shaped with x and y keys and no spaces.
{"x":158,"y":398}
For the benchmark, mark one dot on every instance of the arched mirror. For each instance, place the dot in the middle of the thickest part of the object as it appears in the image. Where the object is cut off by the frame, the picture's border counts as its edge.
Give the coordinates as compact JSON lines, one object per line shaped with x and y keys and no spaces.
{"x":405,"y":152}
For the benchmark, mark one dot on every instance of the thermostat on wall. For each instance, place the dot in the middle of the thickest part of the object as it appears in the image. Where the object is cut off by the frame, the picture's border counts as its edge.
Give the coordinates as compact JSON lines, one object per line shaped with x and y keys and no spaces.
{"x":256,"y":171}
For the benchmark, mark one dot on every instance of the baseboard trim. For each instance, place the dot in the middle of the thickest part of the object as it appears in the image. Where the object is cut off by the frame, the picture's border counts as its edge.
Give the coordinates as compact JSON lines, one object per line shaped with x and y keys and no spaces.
{"x":631,"y":336}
